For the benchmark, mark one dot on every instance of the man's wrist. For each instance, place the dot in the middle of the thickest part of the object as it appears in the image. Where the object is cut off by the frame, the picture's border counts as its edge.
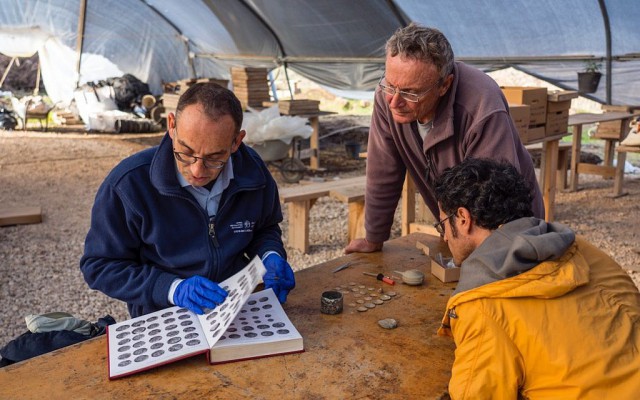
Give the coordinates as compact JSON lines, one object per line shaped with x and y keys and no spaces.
{"x":377,"y":245}
{"x":172,"y":289}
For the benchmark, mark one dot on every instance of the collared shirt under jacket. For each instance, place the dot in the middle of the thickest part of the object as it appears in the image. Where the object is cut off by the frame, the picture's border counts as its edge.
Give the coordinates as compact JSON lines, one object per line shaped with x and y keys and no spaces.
{"x":147,"y":230}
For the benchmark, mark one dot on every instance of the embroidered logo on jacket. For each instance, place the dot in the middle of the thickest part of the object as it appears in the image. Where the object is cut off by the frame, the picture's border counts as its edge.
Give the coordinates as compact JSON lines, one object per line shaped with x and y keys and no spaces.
{"x":242,"y":227}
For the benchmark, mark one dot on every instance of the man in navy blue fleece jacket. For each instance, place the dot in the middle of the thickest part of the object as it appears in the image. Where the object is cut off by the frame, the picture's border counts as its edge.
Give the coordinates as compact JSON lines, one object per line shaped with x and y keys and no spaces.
{"x":171,"y":221}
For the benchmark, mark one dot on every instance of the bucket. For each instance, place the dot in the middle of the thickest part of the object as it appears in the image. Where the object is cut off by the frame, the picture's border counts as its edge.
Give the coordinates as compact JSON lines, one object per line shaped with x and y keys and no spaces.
{"x":353,"y":150}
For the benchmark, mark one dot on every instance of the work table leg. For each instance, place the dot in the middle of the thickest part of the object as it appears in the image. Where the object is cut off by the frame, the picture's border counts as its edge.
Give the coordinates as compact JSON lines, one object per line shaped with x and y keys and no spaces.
{"x":314,"y":143}
{"x":356,"y":221}
{"x":299,"y":225}
{"x":575,"y":157}
{"x":408,"y":205}
{"x":619,"y":176}
{"x":548,"y":168}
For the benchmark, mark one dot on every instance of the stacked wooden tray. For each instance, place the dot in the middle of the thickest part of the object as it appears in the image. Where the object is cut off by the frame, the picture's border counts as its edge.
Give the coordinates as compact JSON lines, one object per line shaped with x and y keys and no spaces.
{"x":297,"y":107}
{"x":250,"y":85}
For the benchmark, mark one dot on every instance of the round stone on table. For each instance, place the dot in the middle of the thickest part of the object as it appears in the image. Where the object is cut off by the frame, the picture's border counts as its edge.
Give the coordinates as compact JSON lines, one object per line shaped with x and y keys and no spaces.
{"x":388,"y":323}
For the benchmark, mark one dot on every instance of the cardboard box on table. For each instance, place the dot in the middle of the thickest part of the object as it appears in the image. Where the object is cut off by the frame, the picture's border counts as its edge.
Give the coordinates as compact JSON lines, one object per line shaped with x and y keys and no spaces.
{"x":520,"y":115}
{"x":443,"y":272}
{"x":535,"y":97}
{"x":558,"y":106}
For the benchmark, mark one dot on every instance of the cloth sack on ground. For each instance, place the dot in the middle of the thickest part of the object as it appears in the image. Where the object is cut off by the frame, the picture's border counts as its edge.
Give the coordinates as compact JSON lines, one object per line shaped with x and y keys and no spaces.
{"x":31,"y":344}
{"x":57,"y":321}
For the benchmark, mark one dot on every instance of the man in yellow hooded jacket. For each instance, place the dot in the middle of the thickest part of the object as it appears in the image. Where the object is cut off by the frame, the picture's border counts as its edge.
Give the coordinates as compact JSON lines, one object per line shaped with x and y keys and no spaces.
{"x":538,"y":312}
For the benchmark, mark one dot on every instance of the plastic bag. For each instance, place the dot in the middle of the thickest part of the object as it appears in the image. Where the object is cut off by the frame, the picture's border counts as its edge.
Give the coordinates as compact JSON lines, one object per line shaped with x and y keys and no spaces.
{"x":268,"y":124}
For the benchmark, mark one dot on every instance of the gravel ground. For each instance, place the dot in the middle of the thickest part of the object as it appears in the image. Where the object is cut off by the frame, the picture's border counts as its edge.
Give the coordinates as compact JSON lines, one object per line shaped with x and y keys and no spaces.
{"x":61,"y":172}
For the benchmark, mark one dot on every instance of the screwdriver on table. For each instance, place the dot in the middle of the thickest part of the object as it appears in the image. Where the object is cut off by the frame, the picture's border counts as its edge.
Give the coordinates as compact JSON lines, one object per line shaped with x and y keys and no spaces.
{"x":381,"y":277}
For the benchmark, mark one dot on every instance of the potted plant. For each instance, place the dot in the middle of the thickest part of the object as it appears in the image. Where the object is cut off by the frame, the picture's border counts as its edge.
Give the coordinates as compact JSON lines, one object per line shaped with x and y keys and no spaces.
{"x":589,"y":79}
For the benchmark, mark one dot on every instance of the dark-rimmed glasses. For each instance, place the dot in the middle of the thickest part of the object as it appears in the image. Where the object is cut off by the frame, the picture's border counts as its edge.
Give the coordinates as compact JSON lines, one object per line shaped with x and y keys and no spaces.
{"x":407,"y":96}
{"x":188,"y":159}
{"x":440,"y":224}
{"x":207,"y":162}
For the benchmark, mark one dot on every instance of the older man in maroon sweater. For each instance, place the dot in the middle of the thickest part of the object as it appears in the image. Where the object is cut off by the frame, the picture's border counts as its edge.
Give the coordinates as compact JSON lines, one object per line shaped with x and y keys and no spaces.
{"x":431,"y":113}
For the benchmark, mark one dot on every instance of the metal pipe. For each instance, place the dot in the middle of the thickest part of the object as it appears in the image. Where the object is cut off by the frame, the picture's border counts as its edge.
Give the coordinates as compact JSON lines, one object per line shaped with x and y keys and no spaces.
{"x":80,"y":39}
{"x":607,"y":32}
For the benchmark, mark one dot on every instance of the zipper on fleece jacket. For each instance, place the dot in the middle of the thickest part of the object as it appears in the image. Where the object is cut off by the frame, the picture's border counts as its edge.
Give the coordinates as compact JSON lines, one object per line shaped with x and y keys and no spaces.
{"x":223,"y":203}
{"x":212,"y":231}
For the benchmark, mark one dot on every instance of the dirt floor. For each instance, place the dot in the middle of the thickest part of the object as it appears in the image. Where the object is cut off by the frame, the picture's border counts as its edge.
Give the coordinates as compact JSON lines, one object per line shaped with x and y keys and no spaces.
{"x":61,"y":171}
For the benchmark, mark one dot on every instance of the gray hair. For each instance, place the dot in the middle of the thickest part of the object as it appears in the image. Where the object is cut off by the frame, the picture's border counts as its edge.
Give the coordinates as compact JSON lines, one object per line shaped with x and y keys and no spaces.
{"x":425,"y":44}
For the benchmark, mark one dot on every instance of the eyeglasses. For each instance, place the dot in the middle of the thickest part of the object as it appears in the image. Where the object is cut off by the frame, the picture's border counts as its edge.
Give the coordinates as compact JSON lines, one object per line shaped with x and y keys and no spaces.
{"x":188,"y":159}
{"x":440,"y":224}
{"x":410,"y":97}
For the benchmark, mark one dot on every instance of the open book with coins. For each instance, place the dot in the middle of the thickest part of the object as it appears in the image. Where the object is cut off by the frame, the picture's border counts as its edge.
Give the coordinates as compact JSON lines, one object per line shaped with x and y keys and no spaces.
{"x":247,"y":325}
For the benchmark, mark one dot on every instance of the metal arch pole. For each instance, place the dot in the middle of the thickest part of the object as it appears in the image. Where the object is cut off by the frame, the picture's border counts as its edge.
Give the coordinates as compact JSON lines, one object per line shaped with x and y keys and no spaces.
{"x":607,"y":31}
{"x":80,"y":40}
{"x":275,"y":36}
{"x":175,"y":28}
{"x":400,"y":16}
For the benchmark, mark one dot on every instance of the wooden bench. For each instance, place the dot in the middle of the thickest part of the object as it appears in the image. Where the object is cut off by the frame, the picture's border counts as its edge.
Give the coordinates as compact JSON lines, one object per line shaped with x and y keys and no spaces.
{"x":301,"y":198}
{"x":564,"y":149}
{"x":619,"y":174}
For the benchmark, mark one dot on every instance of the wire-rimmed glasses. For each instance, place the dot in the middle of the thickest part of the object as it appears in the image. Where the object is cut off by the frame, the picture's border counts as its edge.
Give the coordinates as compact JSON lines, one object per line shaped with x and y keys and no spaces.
{"x":407,"y":96}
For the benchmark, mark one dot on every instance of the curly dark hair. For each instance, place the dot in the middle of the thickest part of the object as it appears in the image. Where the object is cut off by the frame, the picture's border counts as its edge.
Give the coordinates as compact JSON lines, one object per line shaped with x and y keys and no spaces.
{"x":216,"y":100}
{"x":493,"y":191}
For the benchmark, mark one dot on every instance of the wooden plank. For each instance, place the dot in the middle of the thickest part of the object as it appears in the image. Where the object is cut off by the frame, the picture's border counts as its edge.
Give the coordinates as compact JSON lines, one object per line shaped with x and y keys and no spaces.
{"x":561,"y":95}
{"x":20,"y":215}
{"x":423,"y":228}
{"x":602,"y":170}
{"x":315,"y":190}
{"x":348,"y":194}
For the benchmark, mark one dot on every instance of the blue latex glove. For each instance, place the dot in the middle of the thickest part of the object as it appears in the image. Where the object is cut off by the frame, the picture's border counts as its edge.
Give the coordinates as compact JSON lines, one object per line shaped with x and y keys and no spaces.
{"x":279,"y":276}
{"x":197,"y":293}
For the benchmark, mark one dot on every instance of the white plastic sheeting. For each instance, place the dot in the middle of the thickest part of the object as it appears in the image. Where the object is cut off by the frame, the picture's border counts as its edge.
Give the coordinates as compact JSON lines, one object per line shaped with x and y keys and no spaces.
{"x":268,"y":124}
{"x":336,"y":43}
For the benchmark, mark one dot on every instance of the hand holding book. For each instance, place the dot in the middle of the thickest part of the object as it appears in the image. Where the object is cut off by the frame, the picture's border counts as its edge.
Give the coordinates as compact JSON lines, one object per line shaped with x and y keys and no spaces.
{"x":279,"y":276}
{"x":198,"y":293}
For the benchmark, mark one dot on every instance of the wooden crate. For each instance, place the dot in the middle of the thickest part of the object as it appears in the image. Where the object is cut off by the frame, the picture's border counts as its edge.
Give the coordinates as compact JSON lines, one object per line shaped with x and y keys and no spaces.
{"x":535,"y":97}
{"x":251,"y":85}
{"x":614,"y":129}
{"x":520,"y":115}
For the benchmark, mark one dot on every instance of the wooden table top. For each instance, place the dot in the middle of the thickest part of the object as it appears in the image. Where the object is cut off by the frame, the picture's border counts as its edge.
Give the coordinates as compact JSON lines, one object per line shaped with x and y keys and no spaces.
{"x":346,"y":355}
{"x":589,"y":118}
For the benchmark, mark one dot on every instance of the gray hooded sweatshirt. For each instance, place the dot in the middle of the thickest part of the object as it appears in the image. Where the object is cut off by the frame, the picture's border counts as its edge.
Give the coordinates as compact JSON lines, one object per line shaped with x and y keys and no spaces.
{"x":512,"y":249}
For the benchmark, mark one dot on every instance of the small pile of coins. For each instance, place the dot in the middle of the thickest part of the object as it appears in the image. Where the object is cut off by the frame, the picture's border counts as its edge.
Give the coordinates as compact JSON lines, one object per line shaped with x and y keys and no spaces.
{"x":364,"y":298}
